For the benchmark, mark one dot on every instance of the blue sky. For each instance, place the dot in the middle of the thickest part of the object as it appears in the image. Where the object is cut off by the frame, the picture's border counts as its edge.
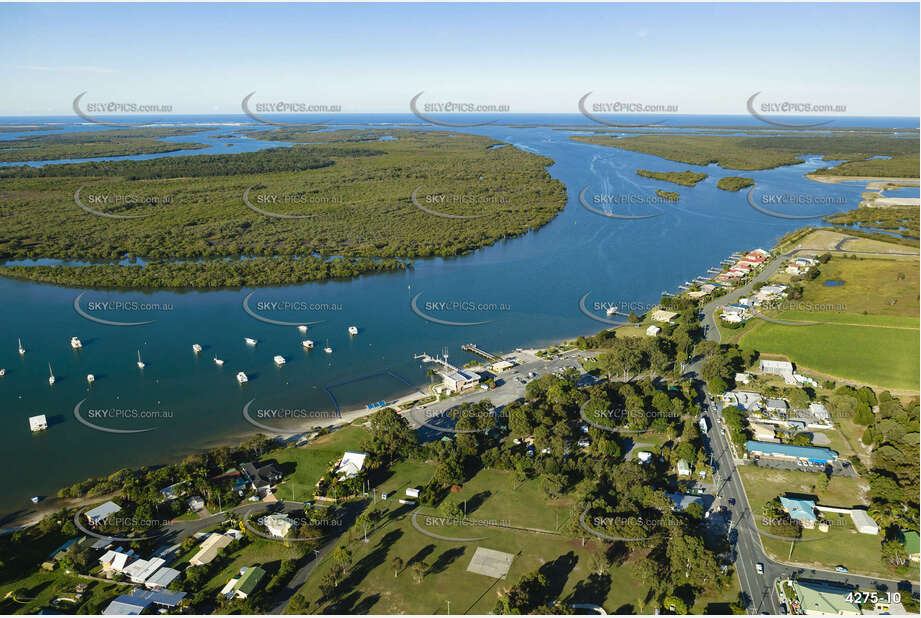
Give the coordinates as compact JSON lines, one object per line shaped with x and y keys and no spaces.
{"x":704,"y":58}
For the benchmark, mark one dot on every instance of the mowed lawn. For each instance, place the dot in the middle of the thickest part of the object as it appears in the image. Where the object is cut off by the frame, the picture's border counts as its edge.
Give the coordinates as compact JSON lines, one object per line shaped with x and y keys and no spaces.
{"x":303,"y":466}
{"x":842,"y":544}
{"x":372,"y":586}
{"x":496,"y":495}
{"x":42,"y":587}
{"x":880,"y":356}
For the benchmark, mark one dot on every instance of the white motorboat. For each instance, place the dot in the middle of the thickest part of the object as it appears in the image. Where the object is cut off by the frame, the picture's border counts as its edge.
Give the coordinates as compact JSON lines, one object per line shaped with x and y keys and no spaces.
{"x":241,"y":378}
{"x":75,"y":343}
{"x":141,"y":364}
{"x":302,"y":328}
{"x":2,"y":372}
{"x":90,"y":378}
{"x":196,"y":348}
{"x":328,"y":349}
{"x":611,"y":311}
{"x":307,"y":343}
{"x":22,"y":350}
{"x":279,"y":360}
{"x":250,"y":341}
{"x":353,"y":330}
{"x":50,"y":375}
{"x":218,"y":361}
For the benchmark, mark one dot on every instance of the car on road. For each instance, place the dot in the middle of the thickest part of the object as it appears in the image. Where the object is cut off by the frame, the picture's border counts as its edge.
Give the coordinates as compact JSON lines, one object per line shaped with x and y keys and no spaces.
{"x":759,"y":566}
{"x":841,"y":569}
{"x":732,"y":501}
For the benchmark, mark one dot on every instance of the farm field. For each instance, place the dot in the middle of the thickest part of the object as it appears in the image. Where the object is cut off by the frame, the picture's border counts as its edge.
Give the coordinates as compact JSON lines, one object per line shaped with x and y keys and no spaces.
{"x":887,"y":356}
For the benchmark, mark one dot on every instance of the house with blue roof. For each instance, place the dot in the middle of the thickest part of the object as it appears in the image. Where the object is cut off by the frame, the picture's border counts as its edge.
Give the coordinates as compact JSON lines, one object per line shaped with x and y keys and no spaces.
{"x":802,"y":511}
{"x":812,"y":454}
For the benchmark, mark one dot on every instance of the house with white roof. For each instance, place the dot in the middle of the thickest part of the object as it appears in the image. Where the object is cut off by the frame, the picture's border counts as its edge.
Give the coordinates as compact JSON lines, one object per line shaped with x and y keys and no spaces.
{"x":351,"y":464}
{"x":776,"y":367}
{"x":140,"y":570}
{"x":278,"y":524}
{"x":162,"y":578}
{"x":101,"y":512}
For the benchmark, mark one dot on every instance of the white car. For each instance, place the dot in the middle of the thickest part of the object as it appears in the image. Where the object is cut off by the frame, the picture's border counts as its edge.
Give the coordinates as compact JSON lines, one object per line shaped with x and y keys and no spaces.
{"x":759,"y":566}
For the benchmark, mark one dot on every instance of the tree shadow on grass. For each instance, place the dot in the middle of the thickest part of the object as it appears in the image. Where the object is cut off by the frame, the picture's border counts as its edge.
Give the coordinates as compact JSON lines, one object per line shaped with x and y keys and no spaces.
{"x":446,"y":558}
{"x":420,"y":555}
{"x":593,"y":590}
{"x":557,"y":572}
{"x":477,"y":500}
{"x":389,"y":539}
{"x":353,"y":604}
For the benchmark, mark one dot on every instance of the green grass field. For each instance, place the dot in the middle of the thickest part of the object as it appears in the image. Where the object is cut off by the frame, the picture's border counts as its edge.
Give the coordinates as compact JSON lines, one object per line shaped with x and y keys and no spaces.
{"x":372,"y":587}
{"x":303,"y":466}
{"x":43,"y":587}
{"x":496,"y":495}
{"x":842,"y":544}
{"x":885,"y":357}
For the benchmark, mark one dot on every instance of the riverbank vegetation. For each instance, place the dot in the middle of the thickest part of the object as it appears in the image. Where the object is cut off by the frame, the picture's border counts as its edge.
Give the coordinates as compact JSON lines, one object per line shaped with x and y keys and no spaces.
{"x":686,"y":178}
{"x":899,"y":166}
{"x":734,"y":183}
{"x":87,"y":144}
{"x":345,"y":198}
{"x":759,"y":153}
{"x":895,"y":219}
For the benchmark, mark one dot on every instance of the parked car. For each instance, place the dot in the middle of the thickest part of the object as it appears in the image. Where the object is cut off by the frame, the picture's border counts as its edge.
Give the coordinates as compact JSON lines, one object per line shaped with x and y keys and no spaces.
{"x":841,"y":569}
{"x":759,"y":566}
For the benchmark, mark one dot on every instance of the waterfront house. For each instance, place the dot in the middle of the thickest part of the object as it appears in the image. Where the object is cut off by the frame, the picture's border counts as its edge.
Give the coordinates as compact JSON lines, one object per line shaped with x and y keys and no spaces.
{"x":350,"y":464}
{"x":261,"y":475}
{"x":102,"y":512}
{"x":653,"y":330}
{"x":742,"y":378}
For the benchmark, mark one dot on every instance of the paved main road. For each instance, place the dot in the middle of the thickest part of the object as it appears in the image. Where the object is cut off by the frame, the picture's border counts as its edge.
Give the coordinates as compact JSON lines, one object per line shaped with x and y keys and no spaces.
{"x":759,"y":588}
